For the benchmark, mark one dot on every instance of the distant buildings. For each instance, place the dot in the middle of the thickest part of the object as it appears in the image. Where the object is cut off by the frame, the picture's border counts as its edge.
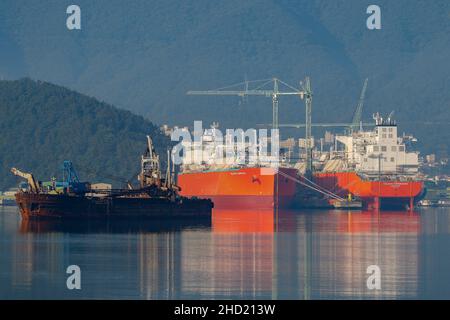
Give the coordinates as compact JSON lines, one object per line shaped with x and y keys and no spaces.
{"x":430,"y":158}
{"x":167,"y":131}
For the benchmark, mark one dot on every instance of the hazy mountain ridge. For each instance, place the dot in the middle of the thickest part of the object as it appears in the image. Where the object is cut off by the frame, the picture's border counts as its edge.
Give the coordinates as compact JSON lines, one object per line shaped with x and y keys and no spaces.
{"x":144,"y":56}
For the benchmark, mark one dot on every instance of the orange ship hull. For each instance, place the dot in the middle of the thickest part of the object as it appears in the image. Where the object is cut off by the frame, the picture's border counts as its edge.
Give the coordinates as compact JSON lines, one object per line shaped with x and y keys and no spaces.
{"x":374,"y":194}
{"x":255,"y":188}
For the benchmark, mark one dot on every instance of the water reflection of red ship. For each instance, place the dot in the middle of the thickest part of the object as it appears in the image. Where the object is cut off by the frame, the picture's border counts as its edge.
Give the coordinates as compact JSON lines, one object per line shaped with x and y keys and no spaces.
{"x":243,"y":221}
{"x":267,"y":221}
{"x":366,"y":222}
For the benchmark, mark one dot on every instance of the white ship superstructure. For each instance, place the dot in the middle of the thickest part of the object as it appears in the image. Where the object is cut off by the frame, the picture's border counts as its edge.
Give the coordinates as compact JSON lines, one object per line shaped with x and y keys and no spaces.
{"x":380,"y":151}
{"x":213,"y":150}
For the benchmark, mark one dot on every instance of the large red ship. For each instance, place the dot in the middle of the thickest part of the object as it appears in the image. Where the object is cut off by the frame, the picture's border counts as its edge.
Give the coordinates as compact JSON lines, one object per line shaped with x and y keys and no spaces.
{"x":231,"y":184}
{"x":373,"y":166}
{"x":247,"y":187}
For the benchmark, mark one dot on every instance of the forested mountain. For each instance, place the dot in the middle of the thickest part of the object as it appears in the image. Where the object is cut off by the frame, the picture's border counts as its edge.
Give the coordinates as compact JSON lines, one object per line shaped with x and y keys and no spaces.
{"x":144,"y":55}
{"x":42,"y":124}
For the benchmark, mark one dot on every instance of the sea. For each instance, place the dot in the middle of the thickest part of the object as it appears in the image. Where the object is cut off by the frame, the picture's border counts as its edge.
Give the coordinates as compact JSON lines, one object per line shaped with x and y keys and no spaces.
{"x":311,"y":254}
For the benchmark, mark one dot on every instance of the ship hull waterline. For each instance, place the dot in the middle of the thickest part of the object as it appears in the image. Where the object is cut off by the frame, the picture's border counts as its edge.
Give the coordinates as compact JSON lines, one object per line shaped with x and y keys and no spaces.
{"x":374,"y":194}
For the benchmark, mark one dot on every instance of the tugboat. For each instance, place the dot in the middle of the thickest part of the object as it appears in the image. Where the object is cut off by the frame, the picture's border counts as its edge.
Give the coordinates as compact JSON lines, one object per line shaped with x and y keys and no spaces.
{"x":156,"y":197}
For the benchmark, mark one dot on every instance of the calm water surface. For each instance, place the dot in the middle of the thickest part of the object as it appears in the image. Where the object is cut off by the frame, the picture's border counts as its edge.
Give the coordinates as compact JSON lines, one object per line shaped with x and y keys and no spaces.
{"x":236,"y":255}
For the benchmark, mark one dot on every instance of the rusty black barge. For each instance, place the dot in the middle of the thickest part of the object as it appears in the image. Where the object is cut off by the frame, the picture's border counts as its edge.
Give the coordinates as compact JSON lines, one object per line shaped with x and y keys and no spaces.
{"x":156,"y":197}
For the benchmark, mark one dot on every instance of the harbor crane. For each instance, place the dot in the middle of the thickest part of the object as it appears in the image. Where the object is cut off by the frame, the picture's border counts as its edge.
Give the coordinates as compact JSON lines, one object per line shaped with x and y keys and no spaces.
{"x":259,"y":88}
{"x":150,"y":170}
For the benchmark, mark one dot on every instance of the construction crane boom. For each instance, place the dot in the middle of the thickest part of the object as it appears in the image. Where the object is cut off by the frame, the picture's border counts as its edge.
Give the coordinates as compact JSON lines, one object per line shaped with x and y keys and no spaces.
{"x":267,"y":93}
{"x":356,"y":120}
{"x":34,"y":186}
{"x":321,"y":125}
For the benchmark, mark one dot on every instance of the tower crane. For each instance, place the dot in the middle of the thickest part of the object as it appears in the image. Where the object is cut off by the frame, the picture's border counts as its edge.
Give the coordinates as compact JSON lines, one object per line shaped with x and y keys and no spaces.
{"x":259,"y":88}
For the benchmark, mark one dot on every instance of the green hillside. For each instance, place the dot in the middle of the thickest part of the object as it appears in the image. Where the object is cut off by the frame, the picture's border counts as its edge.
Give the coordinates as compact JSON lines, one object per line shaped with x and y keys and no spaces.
{"x":42,"y":124}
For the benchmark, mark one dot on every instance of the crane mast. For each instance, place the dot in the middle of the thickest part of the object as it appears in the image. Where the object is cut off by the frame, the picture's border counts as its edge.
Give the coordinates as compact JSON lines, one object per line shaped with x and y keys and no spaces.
{"x":275,"y":104}
{"x":150,"y":171}
{"x":308,"y":136}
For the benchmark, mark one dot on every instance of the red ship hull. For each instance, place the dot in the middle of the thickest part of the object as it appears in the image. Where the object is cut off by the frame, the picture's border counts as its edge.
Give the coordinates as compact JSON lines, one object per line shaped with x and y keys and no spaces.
{"x":374,"y":194}
{"x":253,"y":188}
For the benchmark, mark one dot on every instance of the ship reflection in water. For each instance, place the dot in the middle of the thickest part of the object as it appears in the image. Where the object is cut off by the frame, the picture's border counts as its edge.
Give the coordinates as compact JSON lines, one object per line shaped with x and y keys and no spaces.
{"x":236,"y":254}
